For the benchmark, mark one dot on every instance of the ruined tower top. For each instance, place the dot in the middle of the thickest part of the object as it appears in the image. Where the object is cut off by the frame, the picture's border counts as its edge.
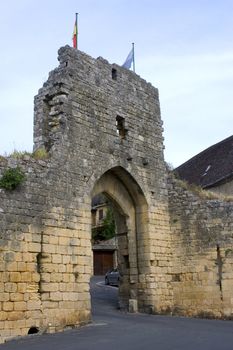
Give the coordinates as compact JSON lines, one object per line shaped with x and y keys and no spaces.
{"x":104,"y":103}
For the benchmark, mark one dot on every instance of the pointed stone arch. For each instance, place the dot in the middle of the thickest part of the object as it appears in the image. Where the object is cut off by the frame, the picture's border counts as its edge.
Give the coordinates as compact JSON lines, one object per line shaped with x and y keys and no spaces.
{"x":131,"y":224}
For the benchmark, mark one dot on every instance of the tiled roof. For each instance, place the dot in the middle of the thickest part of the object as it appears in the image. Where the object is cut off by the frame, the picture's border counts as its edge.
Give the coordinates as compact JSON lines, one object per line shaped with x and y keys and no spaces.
{"x":211,"y":167}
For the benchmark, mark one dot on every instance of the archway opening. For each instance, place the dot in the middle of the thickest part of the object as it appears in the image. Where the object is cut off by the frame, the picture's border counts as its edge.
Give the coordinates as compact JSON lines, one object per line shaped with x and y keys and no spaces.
{"x":124,"y":198}
{"x":104,"y":241}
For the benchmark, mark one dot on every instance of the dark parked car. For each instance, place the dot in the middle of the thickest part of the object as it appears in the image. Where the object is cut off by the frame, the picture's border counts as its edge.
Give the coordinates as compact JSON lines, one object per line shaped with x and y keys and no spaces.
{"x":112,"y":277}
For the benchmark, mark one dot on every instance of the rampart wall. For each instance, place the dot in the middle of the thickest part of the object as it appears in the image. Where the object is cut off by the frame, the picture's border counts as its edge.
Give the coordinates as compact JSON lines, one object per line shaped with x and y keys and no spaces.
{"x":202,"y":241}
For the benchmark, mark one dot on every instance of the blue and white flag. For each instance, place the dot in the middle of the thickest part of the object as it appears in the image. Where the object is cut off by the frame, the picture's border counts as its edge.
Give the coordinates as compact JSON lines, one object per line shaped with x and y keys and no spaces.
{"x":129,"y":60}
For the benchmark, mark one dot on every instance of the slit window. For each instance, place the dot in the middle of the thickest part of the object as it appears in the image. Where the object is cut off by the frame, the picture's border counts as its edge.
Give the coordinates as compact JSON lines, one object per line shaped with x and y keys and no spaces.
{"x":114,"y":74}
{"x":120,"y":125}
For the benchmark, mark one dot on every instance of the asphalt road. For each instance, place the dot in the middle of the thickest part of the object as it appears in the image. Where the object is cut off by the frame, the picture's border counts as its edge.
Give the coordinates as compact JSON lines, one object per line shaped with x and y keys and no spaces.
{"x":112,"y":329}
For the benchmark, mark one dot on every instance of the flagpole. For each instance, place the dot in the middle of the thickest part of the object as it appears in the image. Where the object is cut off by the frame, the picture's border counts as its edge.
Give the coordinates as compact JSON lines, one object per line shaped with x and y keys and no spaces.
{"x":133,"y":58}
{"x":76,"y":22}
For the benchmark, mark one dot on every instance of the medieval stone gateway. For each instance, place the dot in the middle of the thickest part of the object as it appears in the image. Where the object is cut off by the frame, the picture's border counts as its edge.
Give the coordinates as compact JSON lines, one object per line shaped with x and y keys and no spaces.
{"x":100,"y":126}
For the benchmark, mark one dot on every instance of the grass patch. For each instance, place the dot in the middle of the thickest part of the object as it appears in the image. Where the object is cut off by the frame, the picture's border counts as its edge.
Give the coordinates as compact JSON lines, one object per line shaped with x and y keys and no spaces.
{"x":20,"y":154}
{"x":40,"y":153}
{"x":204,"y":194}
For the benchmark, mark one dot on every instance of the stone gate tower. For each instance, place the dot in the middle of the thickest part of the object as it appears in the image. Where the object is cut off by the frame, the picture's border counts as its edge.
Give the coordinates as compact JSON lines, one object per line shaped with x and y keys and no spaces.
{"x":101,"y":127}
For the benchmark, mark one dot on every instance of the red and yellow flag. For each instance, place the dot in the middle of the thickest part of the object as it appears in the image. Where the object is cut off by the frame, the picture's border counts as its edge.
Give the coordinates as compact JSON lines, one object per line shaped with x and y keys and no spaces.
{"x":75,"y":34}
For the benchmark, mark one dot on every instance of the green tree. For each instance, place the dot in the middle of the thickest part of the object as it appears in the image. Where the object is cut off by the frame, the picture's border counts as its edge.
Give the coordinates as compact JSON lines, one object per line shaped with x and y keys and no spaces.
{"x":107,"y":230}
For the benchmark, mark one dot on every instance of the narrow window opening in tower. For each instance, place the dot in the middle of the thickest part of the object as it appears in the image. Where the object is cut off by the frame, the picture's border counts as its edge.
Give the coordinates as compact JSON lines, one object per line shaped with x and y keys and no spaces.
{"x":114,"y":74}
{"x":120,"y":125}
{"x":126,"y":261}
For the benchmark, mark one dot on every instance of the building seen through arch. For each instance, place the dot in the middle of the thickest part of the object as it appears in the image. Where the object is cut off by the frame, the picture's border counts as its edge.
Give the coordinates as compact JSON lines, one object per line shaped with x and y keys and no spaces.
{"x":104,"y":242}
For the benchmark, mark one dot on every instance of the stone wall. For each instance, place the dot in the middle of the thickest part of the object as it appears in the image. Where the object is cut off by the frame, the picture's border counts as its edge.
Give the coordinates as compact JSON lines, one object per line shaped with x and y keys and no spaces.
{"x":202,"y":240}
{"x":21,"y":215}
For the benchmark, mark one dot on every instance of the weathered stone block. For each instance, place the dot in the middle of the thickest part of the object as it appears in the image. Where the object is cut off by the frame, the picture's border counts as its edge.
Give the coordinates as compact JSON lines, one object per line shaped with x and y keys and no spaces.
{"x":34,"y":247}
{"x":15,"y":277}
{"x":20,"y":306}
{"x":11,"y":266}
{"x":26,"y":277}
{"x":33,"y":305}
{"x":56,"y":296}
{"x":3,"y":316}
{"x":10,"y":287}
{"x":16,"y":296}
{"x":7,"y":306}
{"x":15,"y":315}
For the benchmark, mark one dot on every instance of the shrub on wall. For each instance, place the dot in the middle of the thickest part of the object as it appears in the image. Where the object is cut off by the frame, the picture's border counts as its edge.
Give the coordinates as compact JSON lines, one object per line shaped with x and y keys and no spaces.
{"x":11,"y":178}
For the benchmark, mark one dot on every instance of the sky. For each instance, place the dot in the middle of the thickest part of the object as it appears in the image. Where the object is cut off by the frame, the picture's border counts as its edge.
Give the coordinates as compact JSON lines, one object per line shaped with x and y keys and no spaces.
{"x":183,"y":47}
